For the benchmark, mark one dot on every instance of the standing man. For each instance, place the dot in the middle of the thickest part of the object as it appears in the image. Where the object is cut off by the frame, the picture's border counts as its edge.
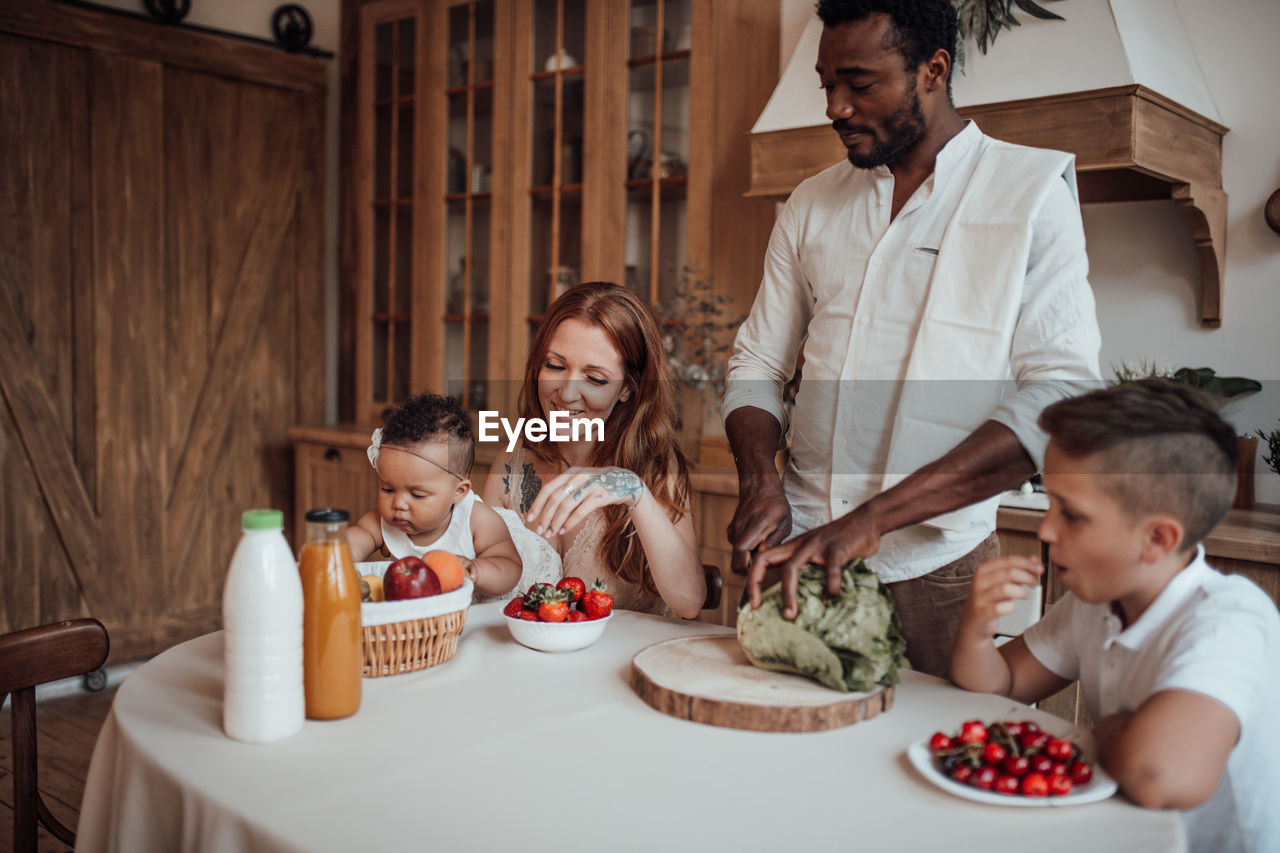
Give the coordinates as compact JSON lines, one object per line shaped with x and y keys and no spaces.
{"x":937,"y":284}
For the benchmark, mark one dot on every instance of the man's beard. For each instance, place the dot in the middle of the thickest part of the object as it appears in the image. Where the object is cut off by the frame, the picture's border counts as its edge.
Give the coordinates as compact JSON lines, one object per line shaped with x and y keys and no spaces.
{"x":904,"y":129}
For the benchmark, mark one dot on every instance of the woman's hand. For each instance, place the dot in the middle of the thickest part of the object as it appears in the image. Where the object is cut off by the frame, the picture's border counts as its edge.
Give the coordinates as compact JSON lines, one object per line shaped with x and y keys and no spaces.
{"x":567,"y":499}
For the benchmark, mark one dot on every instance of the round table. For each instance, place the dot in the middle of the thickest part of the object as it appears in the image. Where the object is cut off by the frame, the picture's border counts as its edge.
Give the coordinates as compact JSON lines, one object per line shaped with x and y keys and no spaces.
{"x":508,"y":748}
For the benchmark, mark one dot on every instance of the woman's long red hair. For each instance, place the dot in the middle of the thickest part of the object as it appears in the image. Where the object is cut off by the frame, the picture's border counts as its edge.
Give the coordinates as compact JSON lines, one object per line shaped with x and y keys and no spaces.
{"x":641,"y":434}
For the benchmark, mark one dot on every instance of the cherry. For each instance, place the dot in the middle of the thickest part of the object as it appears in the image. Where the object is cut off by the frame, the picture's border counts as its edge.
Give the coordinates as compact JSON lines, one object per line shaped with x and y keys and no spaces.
{"x":984,"y":778}
{"x":1059,"y":786}
{"x":1016,"y":765}
{"x":1035,"y":785}
{"x":961,"y":773}
{"x":973,"y":731}
{"x":1007,"y":785}
{"x":1081,"y":772}
{"x":993,"y":753}
{"x":1032,"y":741}
{"x":1041,"y":764}
{"x":1059,"y":750}
{"x":939,"y":741}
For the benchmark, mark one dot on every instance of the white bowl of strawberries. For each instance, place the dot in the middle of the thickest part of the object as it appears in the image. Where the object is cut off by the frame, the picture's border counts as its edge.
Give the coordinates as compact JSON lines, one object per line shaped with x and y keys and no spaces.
{"x":561,"y":618}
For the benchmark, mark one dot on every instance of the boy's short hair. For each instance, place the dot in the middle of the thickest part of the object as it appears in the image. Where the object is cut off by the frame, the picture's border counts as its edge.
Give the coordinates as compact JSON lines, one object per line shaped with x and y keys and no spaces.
{"x":432,"y":417}
{"x":1153,"y":427}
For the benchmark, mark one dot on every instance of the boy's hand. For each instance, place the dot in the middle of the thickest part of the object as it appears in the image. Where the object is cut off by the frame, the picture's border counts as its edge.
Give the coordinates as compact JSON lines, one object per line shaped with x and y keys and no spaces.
{"x":996,"y":586}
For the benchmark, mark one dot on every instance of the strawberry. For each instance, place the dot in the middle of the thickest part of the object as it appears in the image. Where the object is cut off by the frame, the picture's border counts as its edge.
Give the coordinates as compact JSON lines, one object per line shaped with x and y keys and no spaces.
{"x":538,"y":593}
{"x":574,"y":586}
{"x":514,"y":606}
{"x":528,"y":615}
{"x":597,"y":603}
{"x":576,"y":616}
{"x":553,"y":611}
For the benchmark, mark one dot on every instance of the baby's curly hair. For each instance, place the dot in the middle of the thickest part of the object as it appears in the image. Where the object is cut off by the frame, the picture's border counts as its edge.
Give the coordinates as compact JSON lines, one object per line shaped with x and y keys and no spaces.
{"x":920,"y":27}
{"x":432,"y":417}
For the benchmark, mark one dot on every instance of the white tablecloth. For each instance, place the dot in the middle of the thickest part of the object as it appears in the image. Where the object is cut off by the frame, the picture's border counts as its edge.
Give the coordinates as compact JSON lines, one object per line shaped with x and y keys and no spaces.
{"x":505,"y":748}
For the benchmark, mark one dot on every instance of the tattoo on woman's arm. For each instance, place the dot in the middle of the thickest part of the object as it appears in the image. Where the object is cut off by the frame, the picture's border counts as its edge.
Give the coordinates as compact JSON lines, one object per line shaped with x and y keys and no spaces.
{"x":530,"y":485}
{"x":618,"y":483}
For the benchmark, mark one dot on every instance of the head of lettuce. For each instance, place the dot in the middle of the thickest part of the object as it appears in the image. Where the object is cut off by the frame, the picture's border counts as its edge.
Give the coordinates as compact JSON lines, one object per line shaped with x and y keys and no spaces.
{"x":851,"y":643}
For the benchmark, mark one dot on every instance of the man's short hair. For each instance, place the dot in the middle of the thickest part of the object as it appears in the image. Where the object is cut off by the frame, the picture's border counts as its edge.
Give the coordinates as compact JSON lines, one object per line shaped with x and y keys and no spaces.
{"x":1163,"y":448}
{"x":920,"y":28}
{"x":432,"y":417}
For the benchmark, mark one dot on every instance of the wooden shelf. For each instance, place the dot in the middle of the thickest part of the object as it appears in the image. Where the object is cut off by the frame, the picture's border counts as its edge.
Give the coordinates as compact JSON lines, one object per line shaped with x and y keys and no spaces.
{"x":1130,"y":143}
{"x":532,"y":129}
{"x":1251,"y":534}
{"x":669,"y":56}
{"x":462,"y":89}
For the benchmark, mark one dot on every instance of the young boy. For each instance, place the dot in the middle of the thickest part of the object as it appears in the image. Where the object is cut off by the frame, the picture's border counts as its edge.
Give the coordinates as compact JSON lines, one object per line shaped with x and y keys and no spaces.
{"x":423,"y":457}
{"x":1179,"y":665}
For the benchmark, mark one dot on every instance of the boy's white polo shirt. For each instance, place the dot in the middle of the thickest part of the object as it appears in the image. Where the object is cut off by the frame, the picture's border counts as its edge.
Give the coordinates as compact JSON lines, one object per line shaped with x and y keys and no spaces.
{"x":1205,"y":632}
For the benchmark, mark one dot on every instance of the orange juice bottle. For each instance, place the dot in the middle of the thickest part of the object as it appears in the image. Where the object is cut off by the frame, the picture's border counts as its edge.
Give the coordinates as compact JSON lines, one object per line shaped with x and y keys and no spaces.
{"x":331,"y":645}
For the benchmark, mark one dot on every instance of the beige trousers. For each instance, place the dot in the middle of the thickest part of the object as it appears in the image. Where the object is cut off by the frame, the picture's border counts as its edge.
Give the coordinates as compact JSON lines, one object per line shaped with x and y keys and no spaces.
{"x":929,"y":607}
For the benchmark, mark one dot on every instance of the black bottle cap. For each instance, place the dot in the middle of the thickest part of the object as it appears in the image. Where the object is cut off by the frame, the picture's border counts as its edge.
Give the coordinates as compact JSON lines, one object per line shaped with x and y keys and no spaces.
{"x":327,"y":515}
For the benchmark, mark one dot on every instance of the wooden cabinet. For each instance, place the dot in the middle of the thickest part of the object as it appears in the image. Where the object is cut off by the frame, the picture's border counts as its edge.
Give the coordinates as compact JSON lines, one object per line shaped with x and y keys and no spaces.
{"x":331,"y":469}
{"x":507,"y":150}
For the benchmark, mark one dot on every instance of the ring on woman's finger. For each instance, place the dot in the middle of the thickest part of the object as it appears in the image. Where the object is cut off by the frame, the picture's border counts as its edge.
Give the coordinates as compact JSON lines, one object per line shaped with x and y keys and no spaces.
{"x":568,"y":490}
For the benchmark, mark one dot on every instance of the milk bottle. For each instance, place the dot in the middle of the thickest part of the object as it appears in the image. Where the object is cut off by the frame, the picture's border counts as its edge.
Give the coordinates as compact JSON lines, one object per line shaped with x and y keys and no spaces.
{"x":263,"y":697}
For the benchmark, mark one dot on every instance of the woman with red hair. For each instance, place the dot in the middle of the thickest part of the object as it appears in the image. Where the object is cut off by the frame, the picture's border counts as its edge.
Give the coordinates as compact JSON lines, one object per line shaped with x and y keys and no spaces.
{"x":616,"y":506}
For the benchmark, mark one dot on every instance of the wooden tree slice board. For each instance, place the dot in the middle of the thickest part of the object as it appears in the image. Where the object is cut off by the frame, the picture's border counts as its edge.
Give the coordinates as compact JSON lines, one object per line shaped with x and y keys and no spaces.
{"x":708,"y":679}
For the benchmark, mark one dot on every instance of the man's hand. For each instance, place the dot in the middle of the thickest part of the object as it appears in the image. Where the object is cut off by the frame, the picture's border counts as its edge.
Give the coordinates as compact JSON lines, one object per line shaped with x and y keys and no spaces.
{"x":763,"y":516}
{"x":761,"y":520}
{"x":985,"y":463}
{"x":831,"y":545}
{"x":996,"y":586}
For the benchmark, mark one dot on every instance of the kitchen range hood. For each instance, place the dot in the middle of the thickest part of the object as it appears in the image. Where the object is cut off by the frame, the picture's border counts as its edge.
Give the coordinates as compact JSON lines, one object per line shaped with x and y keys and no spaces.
{"x":1116,"y":84}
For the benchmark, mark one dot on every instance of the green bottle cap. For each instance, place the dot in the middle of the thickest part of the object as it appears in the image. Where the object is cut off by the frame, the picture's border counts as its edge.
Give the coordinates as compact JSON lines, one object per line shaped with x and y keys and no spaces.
{"x":262,"y":519}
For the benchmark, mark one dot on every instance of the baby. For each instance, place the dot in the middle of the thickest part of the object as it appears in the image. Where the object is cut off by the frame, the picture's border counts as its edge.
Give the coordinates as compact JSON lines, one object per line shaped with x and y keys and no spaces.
{"x":423,"y":457}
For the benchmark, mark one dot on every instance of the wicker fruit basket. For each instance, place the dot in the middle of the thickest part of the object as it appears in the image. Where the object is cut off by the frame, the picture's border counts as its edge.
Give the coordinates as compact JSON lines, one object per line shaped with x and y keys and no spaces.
{"x":409,"y":635}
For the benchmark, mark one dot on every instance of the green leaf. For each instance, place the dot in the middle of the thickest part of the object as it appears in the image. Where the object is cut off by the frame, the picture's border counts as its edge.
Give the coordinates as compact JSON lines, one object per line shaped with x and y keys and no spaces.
{"x":1204,"y":379}
{"x":851,"y":642}
{"x":1231,"y":386}
{"x":1037,"y":11}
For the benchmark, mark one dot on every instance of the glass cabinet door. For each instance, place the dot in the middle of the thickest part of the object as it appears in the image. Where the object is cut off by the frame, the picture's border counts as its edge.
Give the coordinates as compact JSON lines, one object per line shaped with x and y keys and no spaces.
{"x":468,"y":201}
{"x":389,"y":91}
{"x":657,"y":146}
{"x":556,"y":80}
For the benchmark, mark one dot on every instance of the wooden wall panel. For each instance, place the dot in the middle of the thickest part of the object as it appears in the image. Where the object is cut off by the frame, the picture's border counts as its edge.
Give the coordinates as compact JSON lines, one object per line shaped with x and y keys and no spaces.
{"x":161,"y":318}
{"x":129,"y":352}
{"x":36,"y":268}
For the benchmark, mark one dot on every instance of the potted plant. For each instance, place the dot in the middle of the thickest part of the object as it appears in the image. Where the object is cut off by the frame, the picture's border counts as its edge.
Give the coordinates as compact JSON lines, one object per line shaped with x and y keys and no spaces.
{"x":1226,"y":387}
{"x":1271,"y":456}
{"x":697,"y":337}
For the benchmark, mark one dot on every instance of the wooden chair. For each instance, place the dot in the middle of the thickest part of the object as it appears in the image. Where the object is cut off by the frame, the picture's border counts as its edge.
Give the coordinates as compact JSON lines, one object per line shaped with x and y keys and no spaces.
{"x":27,"y":658}
{"x":714,"y":586}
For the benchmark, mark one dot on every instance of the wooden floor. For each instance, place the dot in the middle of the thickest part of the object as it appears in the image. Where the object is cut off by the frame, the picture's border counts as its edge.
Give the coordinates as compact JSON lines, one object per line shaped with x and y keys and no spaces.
{"x":68,"y":728}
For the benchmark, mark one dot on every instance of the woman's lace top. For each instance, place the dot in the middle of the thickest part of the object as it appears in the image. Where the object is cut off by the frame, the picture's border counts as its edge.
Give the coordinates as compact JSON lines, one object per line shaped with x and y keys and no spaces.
{"x":580,"y":560}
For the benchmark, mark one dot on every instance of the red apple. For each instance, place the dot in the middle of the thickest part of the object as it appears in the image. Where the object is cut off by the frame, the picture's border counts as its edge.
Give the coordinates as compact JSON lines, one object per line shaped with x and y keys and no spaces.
{"x":409,"y":577}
